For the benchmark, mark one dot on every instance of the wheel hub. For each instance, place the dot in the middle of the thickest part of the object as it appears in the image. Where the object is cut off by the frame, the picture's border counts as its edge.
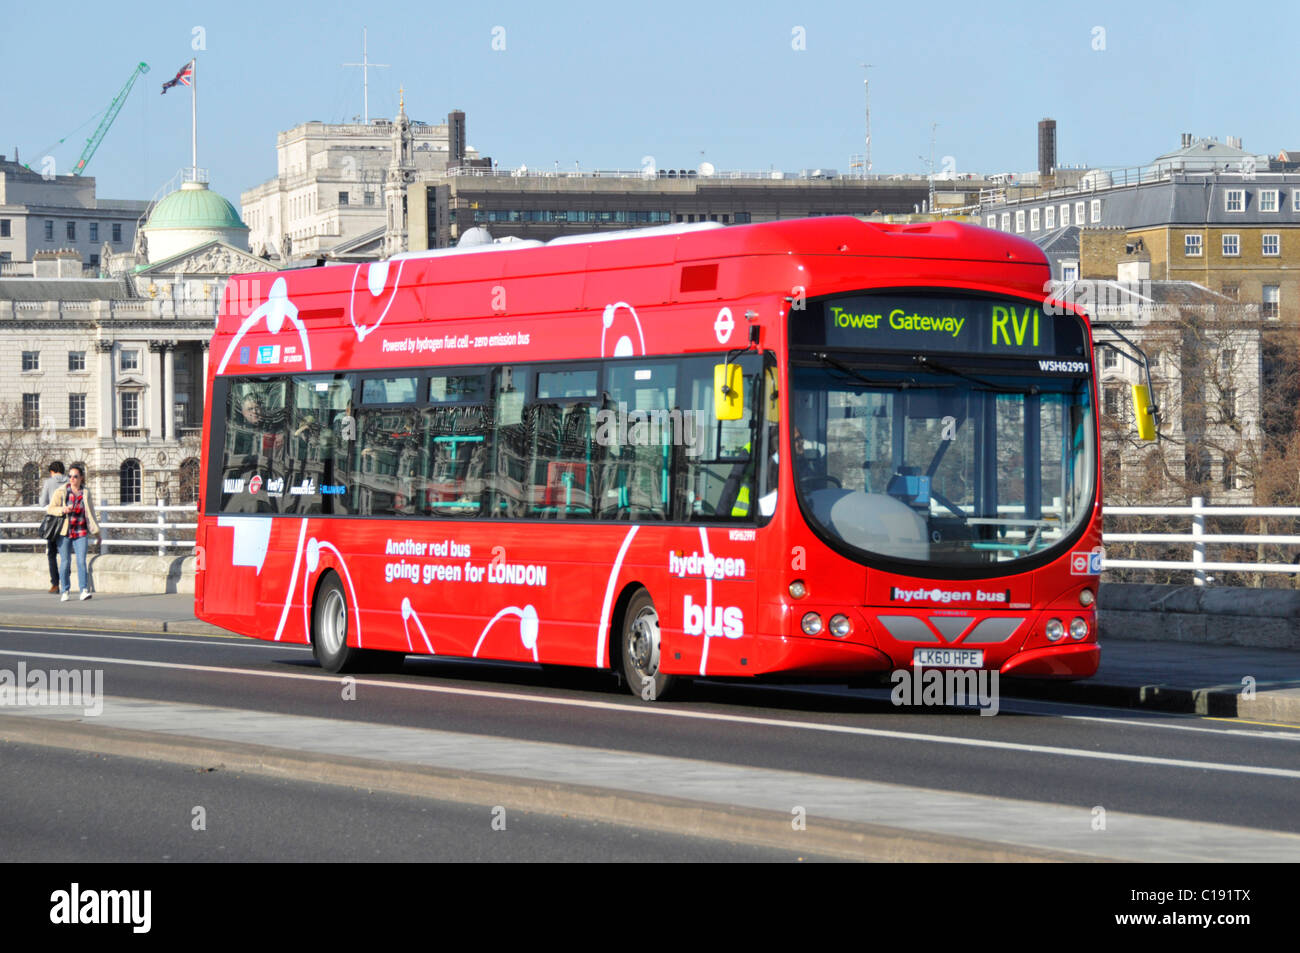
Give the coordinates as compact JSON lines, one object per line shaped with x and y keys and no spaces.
{"x":643,"y":642}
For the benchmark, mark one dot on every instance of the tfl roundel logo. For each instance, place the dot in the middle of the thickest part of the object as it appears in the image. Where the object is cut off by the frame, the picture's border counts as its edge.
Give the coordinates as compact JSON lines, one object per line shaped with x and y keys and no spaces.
{"x":255,"y":484}
{"x":1085,"y":564}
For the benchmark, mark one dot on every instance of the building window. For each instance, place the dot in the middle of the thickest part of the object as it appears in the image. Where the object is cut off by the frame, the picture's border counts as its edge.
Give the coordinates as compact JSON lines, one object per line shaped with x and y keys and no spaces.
{"x":130,"y":410}
{"x":1006,"y":221}
{"x":117,"y":233}
{"x":129,"y":360}
{"x":94,"y":261}
{"x":742,"y":218}
{"x":72,"y":231}
{"x":1228,"y":403}
{"x":1113,"y":401}
{"x":76,"y":411}
{"x":31,"y":411}
{"x":1020,"y":221}
{"x":1065,"y":215}
{"x":1078,"y":213}
{"x":1234,"y":200}
{"x":94,"y":231}
{"x":1069,"y":270}
{"x":370,"y":198}
{"x":1268,"y":200}
{"x":1295,"y":200}
{"x":31,"y":360}
{"x":76,"y":361}
{"x":1095,"y":212}
{"x":991,"y":221}
{"x":1112,"y":471}
{"x":1272,"y":298}
{"x":189,"y":481}
{"x":1033,"y":220}
{"x":31,"y":484}
{"x":343,"y":198}
{"x":49,"y":230}
{"x":1230,"y":290}
{"x":1231,"y":246}
{"x":1229,"y":474}
{"x":4,"y":228}
{"x":1272,"y":245}
{"x":129,"y":481}
{"x":1109,"y":359}
{"x":1192,"y":246}
{"x":1049,"y":217}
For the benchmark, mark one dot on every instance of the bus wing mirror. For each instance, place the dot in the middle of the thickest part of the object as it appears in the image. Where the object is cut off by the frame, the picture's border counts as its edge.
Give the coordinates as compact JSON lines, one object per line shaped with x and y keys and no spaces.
{"x":1142,"y":410}
{"x":728,"y":392}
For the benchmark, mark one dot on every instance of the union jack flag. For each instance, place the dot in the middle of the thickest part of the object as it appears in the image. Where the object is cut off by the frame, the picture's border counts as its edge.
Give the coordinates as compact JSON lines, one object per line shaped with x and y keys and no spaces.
{"x":182,"y":77}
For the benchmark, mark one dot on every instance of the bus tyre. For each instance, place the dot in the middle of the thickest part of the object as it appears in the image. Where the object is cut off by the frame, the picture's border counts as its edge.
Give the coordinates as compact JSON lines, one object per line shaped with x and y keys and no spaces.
{"x":640,"y":647}
{"x":330,"y":620}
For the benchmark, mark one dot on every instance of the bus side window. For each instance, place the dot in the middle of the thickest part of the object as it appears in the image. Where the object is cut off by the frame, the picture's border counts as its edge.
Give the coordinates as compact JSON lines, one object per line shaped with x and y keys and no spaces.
{"x":383,"y":473}
{"x":508,"y":461}
{"x":454,"y":440}
{"x":255,"y":443}
{"x":640,"y":428}
{"x":562,"y":450}
{"x":720,"y":475}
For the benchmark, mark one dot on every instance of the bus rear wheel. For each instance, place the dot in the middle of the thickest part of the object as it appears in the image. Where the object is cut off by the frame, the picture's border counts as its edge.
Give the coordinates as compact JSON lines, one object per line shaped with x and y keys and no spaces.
{"x":330,"y":620}
{"x":640,"y":649}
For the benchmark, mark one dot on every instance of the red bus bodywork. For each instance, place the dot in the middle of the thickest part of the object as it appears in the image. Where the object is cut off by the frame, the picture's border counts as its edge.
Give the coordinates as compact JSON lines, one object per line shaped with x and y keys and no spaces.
{"x":666,"y":294}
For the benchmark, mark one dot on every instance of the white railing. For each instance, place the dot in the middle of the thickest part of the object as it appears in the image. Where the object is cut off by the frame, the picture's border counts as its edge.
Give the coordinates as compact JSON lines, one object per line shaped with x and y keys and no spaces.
{"x":156,"y":533}
{"x":1195,"y":515}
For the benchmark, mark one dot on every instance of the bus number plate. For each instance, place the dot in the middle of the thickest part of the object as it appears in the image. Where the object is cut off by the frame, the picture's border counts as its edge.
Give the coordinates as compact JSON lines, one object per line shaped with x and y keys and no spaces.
{"x":948,"y":658}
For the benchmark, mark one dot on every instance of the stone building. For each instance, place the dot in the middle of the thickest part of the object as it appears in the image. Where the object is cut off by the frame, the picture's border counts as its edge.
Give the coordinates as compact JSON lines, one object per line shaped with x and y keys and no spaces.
{"x":41,"y":213}
{"x":332,"y":194}
{"x":110,"y":371}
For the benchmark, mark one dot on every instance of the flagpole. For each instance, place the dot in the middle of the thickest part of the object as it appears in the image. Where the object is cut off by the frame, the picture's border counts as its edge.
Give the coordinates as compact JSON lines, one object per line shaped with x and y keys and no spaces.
{"x":194,"y":118}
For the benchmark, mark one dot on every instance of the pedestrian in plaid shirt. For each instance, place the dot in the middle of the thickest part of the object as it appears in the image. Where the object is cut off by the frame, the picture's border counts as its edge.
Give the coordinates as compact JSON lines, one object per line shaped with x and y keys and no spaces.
{"x":73,"y":502}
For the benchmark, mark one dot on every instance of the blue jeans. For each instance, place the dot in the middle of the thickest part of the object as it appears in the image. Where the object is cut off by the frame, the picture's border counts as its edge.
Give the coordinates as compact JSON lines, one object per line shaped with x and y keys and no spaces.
{"x":67,"y":546}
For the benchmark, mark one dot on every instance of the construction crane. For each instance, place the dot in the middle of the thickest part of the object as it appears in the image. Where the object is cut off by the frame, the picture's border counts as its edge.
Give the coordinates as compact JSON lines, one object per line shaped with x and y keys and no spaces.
{"x":113,"y":109}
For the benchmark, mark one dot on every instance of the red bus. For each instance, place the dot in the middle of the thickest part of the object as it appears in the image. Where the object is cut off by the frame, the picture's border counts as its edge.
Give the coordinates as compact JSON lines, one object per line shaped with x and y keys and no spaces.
{"x":815,"y":449}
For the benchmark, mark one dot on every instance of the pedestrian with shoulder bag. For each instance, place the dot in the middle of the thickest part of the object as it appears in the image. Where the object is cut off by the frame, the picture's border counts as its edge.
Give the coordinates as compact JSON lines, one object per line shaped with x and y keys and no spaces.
{"x":72,"y":503}
{"x":49,"y":525}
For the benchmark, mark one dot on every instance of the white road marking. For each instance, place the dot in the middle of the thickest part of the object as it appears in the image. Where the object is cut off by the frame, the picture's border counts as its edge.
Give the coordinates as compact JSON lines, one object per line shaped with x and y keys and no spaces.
{"x":1034,"y":706}
{"x":661,"y":712}
{"x":188,"y":640}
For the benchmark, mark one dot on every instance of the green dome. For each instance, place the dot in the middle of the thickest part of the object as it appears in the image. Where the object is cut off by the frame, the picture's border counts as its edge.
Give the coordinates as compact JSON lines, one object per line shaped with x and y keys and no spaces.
{"x":194,"y":205}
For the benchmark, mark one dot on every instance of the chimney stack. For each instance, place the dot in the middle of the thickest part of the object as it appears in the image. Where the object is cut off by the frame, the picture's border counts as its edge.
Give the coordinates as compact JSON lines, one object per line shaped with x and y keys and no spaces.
{"x":1046,"y":148}
{"x":1187,"y":139}
{"x":456,"y":138}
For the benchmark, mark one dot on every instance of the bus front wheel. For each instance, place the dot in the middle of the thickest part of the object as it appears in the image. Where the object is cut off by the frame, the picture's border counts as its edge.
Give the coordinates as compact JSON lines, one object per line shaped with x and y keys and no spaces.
{"x":330,"y":619}
{"x":641,"y":646}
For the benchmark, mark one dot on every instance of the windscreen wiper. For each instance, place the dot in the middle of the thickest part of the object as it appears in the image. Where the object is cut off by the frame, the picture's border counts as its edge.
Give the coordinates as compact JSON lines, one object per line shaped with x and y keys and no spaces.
{"x":857,"y":375}
{"x":936,"y":368}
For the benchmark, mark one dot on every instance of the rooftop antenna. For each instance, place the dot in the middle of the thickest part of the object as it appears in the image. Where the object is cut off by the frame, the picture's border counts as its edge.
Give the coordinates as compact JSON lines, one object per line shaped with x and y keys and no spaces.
{"x":866,"y":89}
{"x":366,"y":66}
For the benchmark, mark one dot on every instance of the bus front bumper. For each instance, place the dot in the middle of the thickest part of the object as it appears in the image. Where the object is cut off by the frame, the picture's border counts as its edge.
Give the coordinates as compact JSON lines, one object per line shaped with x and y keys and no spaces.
{"x":1056,"y":661}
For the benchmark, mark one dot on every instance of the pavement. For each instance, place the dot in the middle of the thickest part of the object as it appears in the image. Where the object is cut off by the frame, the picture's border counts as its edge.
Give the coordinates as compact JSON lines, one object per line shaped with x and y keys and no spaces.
{"x":1257,"y":684}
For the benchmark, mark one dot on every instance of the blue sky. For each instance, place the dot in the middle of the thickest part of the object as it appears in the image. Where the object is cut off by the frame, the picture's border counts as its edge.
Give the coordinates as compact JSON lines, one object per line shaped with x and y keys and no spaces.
{"x":605,"y":85}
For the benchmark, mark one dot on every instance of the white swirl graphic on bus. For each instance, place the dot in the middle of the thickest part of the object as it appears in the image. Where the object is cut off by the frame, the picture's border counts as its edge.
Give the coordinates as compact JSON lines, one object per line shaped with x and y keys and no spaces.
{"x":275,"y":310}
{"x":375,"y":297}
{"x":623,"y":346}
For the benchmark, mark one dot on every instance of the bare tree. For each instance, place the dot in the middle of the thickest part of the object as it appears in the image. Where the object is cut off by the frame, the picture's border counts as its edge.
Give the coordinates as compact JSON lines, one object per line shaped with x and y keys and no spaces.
{"x":22,"y":455}
{"x":1228,"y":386}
